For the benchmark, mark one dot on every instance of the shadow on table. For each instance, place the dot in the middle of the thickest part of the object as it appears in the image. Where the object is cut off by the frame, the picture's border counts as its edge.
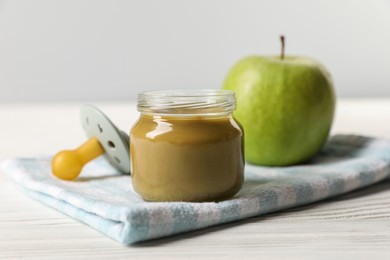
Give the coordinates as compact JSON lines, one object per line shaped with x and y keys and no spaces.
{"x":377,"y":188}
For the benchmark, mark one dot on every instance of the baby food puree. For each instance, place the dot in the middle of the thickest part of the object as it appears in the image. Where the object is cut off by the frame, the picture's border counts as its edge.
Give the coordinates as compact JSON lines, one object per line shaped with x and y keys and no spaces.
{"x":186,"y":146}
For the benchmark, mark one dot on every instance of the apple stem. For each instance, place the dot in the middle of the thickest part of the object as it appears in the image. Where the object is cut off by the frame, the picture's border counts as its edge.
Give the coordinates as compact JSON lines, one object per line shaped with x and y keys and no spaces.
{"x":283,"y":46}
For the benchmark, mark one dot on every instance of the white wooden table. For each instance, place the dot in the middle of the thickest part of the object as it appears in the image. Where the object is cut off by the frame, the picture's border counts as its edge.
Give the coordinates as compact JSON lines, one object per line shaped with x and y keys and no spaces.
{"x":354,"y":226}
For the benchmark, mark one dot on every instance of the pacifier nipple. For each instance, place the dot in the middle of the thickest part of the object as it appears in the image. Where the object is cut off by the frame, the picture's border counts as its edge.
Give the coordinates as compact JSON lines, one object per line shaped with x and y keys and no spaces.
{"x":105,"y":139}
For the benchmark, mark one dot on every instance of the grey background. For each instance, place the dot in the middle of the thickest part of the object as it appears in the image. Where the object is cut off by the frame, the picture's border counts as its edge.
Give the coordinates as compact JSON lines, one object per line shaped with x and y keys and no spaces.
{"x":111,"y":50}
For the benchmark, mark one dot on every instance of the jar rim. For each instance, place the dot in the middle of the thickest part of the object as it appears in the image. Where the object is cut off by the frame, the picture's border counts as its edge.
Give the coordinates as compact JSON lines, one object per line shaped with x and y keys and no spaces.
{"x":187,"y":102}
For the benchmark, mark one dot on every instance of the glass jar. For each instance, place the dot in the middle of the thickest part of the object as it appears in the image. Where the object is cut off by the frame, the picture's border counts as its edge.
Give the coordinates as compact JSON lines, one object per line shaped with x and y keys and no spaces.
{"x":186,"y":146}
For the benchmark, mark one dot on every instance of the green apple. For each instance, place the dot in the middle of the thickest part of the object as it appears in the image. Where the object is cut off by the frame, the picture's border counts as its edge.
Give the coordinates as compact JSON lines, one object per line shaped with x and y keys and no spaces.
{"x":285,"y":105}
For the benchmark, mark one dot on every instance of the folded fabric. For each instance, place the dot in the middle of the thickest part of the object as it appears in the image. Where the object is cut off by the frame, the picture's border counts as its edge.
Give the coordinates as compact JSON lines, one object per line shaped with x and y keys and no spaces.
{"x":106,"y":201}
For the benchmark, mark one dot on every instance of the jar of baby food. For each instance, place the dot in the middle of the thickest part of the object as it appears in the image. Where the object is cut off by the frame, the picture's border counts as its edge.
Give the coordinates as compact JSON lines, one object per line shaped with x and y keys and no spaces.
{"x":186,"y":146}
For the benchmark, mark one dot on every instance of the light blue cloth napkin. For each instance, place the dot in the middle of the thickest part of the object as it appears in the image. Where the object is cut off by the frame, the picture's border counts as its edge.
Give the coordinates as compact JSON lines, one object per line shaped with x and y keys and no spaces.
{"x":106,"y":201}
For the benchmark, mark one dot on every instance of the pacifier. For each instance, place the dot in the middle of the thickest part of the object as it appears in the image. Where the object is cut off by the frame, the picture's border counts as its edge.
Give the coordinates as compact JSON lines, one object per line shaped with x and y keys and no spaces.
{"x":104,"y":139}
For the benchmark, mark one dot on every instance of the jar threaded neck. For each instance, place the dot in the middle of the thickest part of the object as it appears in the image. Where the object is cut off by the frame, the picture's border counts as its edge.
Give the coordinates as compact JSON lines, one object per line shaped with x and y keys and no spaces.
{"x":187,"y":102}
